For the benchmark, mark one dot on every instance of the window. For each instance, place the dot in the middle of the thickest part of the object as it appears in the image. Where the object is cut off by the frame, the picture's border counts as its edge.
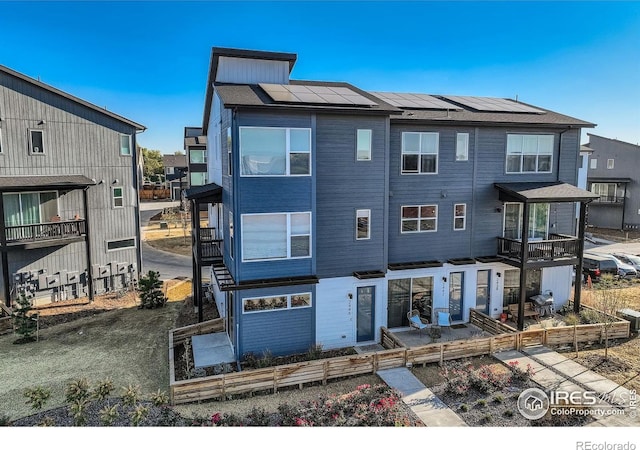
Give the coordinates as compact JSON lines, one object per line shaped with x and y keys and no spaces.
{"x":198,"y":178}
{"x":121,"y":244}
{"x":462,"y":146}
{"x":229,"y":153}
{"x":276,"y":236}
{"x":231,"y":234}
{"x":406,"y":295}
{"x":280,"y":302}
{"x":538,"y":221}
{"x":36,"y":142}
{"x":275,"y":151}
{"x":363,"y":145}
{"x":608,"y":192}
{"x":459,"y":216}
{"x":117,"y":197}
{"x":170,"y":171}
{"x":594,"y":163}
{"x":609,"y":163}
{"x":417,"y":219}
{"x":0,"y":140}
{"x":198,"y":156}
{"x":125,"y":145}
{"x":529,"y":153}
{"x":30,"y":208}
{"x":420,"y":152}
{"x":363,"y":220}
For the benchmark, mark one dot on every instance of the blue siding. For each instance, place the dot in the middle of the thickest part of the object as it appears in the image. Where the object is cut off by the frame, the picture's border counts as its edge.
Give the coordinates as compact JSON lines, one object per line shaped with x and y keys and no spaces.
{"x":281,"y":332}
{"x":345,"y":185}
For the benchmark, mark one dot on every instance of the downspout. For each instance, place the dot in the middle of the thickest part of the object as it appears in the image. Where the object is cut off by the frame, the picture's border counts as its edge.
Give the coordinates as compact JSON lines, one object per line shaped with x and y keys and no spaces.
{"x":624,"y":205}
{"x":136,"y":187}
{"x":88,"y":243}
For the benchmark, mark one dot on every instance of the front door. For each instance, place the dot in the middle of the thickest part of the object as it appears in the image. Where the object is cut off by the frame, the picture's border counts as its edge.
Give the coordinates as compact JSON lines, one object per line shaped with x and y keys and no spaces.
{"x":482,"y":291}
{"x":456,"y":286}
{"x":365,"y":314}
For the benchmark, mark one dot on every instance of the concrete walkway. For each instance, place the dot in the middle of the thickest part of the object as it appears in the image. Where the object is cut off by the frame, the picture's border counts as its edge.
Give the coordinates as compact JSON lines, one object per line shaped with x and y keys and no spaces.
{"x":555,"y":372}
{"x":432,"y":411}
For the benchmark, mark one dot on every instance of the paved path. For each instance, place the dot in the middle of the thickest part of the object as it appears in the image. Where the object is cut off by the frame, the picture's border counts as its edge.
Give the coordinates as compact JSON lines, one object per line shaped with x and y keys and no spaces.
{"x":555,"y":372}
{"x":430,"y":409}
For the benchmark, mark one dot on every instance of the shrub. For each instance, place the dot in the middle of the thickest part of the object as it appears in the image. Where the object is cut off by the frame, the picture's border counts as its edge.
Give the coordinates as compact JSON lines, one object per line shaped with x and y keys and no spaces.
{"x":47,"y":422}
{"x":77,"y":390}
{"x":159,"y":398}
{"x":266,"y":360}
{"x":481,"y":403}
{"x":103,"y":389}
{"x":518,"y":373}
{"x":150,"y":288}
{"x":4,"y":420}
{"x":37,"y":397}
{"x":25,"y":324}
{"x":108,"y":415}
{"x":508,"y":413}
{"x":498,"y":398}
{"x":314,"y":352}
{"x":138,"y":415}
{"x":486,"y":418}
{"x":78,"y":410}
{"x":589,"y":316}
{"x":464,"y":407}
{"x":130,"y":395}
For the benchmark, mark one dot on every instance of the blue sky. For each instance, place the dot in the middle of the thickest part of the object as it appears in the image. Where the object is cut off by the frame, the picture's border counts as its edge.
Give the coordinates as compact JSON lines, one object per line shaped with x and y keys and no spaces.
{"x":148,"y":61}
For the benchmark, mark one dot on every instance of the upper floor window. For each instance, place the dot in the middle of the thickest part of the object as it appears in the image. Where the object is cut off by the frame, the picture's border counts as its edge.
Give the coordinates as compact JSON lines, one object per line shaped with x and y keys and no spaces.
{"x":538,"y":221}
{"x":169,"y":170}
{"x":608,"y":192}
{"x":276,"y":236}
{"x":420,"y":152}
{"x":198,"y":156}
{"x":529,"y":153}
{"x":416,"y":219}
{"x":36,"y":142}
{"x":198,"y":178}
{"x":117,"y":197}
{"x":459,"y":216}
{"x":30,"y":208}
{"x":125,"y":145}
{"x":609,"y":163}
{"x":275,"y":151}
{"x":363,"y":224}
{"x":363,"y":145}
{"x":594,"y":163}
{"x":462,"y":146}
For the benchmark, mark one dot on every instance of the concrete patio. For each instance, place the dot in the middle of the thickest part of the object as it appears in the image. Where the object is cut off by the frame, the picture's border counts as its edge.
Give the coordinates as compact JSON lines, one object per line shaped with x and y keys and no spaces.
{"x":415,"y":338}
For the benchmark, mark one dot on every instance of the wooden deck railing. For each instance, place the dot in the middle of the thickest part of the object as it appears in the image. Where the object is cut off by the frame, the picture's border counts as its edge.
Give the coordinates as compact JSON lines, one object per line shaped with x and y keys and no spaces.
{"x":46,"y":231}
{"x":557,"y":246}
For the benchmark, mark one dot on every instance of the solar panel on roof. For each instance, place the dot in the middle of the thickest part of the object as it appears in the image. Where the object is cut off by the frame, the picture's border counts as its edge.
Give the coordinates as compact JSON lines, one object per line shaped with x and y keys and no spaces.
{"x":299,"y":93}
{"x":416,"y":101}
{"x":493,"y":104}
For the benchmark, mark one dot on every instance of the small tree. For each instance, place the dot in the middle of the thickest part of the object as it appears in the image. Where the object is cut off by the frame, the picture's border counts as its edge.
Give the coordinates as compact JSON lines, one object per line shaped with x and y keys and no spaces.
{"x":25,"y":325}
{"x":608,"y":300}
{"x":150,"y":287}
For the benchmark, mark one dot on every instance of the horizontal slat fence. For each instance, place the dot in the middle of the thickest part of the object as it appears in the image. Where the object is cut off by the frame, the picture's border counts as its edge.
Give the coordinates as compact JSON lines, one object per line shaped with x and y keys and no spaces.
{"x":489,"y":324}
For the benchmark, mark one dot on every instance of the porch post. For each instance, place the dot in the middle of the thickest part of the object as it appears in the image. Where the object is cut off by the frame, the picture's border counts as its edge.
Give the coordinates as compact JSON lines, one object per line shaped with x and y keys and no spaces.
{"x":87,"y":241}
{"x":577,"y":286}
{"x":524,"y":256}
{"x":197,"y":260}
{"x":5,"y":254}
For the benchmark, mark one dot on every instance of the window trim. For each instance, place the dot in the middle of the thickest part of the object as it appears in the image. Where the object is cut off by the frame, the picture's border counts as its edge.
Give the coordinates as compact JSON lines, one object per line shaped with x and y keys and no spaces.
{"x":593,"y":163}
{"x":204,"y":153}
{"x":466,"y":146}
{"x":287,"y":149}
{"x":288,"y":308}
{"x":419,"y":218}
{"x":204,"y":181}
{"x":130,"y":154}
{"x":402,"y":153}
{"x":289,"y":235}
{"x":520,"y":219}
{"x":463,"y":217}
{"x":108,"y":241}
{"x":36,"y":130}
{"x":522,"y":154}
{"x":19,"y":194}
{"x":113,"y":197}
{"x":369,"y":150}
{"x":368,"y":217}
{"x":610,"y":163}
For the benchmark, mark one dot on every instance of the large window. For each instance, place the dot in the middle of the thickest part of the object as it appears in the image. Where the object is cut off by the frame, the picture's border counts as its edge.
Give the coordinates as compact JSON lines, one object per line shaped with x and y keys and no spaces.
{"x":418,"y":219}
{"x":529,"y":153}
{"x":125,"y":145}
{"x":275,"y":151}
{"x":30,"y":208}
{"x":198,"y":156}
{"x":608,"y":192}
{"x":276,"y":236}
{"x":198,"y":178}
{"x":275,"y":303}
{"x":36,"y":142}
{"x":363,"y":224}
{"x":408,"y":294}
{"x":420,"y":152}
{"x":462,"y":146}
{"x":363,"y":145}
{"x":538,"y":220}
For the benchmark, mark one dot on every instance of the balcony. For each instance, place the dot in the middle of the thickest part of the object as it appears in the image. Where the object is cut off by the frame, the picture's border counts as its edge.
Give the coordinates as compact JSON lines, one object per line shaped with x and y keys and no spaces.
{"x":557,"y":247}
{"x":609,"y":200}
{"x":46,"y":234}
{"x":210,"y":247}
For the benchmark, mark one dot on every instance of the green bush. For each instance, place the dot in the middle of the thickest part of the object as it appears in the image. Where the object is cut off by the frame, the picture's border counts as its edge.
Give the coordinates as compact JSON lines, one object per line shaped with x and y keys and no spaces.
{"x":77,"y":390}
{"x":78,"y":410}
{"x":24,"y":322}
{"x":37,"y":397}
{"x":108,"y":415}
{"x":589,"y":316}
{"x":130,"y":395}
{"x":159,"y":398}
{"x":150,"y":288}
{"x":138,"y":415}
{"x":103,"y":389}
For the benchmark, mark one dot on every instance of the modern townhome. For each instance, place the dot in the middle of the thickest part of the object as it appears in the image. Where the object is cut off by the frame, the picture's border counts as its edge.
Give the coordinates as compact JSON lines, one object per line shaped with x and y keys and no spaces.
{"x":69,"y":194}
{"x":335,"y":211}
{"x":614,"y":176}
{"x":176,"y":174}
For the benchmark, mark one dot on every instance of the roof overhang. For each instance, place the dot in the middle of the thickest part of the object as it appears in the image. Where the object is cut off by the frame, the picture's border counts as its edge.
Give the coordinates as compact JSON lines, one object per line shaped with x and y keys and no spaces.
{"x":207,"y":193}
{"x":609,"y":180}
{"x":543,"y":192}
{"x":37,"y":183}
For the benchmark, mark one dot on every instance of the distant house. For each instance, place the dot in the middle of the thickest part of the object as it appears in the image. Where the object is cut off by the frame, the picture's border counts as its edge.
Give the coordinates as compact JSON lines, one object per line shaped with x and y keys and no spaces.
{"x":69,"y":179}
{"x":614,"y":175}
{"x":195,"y":145}
{"x":176,"y":175}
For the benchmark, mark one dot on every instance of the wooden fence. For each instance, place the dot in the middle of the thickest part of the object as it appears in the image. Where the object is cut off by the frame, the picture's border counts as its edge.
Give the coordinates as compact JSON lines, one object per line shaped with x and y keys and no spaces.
{"x":489,"y":324}
{"x":153,"y":194}
{"x":394,"y":355}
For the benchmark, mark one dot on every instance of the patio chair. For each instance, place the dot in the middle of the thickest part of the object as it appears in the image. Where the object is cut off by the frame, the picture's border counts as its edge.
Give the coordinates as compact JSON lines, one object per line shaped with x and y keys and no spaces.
{"x":415,"y":321}
{"x":443,"y":317}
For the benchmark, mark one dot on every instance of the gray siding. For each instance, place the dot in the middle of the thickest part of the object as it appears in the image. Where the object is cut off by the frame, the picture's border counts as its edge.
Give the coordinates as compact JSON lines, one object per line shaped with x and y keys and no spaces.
{"x":77,"y":140}
{"x":345,"y":185}
{"x":252,"y":71}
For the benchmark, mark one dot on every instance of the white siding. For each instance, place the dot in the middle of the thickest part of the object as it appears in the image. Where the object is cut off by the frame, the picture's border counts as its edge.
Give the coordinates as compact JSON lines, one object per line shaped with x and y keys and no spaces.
{"x":252,"y":71}
{"x":558,"y":281}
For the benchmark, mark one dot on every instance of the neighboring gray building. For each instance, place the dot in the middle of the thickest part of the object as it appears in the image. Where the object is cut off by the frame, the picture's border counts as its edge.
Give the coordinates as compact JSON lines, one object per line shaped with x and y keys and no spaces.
{"x":176,"y":174}
{"x":195,"y":146}
{"x":614,"y":175}
{"x":69,"y":179}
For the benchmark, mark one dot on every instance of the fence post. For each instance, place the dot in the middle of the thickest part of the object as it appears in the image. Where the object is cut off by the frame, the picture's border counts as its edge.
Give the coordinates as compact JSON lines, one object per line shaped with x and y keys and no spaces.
{"x":441,"y":353}
{"x":491,"y":345}
{"x":325,"y":372}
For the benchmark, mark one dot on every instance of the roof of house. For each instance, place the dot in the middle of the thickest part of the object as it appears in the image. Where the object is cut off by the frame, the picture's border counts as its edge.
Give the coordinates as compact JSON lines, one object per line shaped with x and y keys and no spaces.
{"x":174,"y":160}
{"x":70,"y":97}
{"x":543,"y":192}
{"x":627,"y":145}
{"x":196,"y":140}
{"x":29,"y":182}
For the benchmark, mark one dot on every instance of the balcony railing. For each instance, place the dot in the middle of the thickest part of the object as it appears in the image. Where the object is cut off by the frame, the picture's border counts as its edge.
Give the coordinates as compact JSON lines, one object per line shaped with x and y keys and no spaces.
{"x":46,"y":231}
{"x":207,"y":234}
{"x":210,"y":251}
{"x":610,"y":199}
{"x":558,"y":246}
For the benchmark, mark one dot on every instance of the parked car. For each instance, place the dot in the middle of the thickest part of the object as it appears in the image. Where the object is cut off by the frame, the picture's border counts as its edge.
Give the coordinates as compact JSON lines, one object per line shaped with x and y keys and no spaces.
{"x":595,"y":265}
{"x":632,"y":260}
{"x":623,"y":270}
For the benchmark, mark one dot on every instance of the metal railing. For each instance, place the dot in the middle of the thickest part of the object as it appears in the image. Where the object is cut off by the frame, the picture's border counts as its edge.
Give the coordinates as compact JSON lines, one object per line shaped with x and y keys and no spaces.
{"x":557,"y":246}
{"x":46,"y":231}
